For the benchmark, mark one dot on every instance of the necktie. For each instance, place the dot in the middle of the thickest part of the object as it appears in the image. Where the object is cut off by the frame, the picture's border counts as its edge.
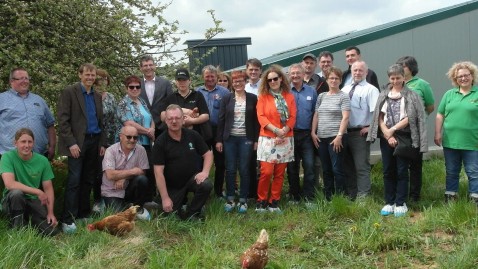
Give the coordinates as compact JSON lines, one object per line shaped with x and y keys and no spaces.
{"x":351,"y":93}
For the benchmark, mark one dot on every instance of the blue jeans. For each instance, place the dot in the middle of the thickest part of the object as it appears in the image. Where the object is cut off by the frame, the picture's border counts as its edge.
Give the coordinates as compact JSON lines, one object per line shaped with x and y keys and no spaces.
{"x":395,"y":175}
{"x":303,"y":151}
{"x":237,"y":151}
{"x":81,"y":176}
{"x":332,"y":168}
{"x":453,"y":160}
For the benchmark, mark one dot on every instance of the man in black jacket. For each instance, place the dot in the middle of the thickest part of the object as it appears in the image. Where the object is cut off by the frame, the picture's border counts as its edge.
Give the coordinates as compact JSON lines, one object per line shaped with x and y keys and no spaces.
{"x":352,"y":54}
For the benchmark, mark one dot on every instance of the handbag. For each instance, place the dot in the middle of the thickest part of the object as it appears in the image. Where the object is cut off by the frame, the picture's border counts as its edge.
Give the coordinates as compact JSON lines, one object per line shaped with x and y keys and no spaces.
{"x":404,"y":147}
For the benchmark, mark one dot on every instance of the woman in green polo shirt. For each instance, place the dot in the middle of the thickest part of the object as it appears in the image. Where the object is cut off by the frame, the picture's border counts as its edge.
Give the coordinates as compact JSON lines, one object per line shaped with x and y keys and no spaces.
{"x":456,"y":128}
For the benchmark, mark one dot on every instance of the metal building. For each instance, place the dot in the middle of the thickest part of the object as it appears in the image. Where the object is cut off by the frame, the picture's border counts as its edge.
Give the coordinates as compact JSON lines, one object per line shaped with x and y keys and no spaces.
{"x":224,"y":52}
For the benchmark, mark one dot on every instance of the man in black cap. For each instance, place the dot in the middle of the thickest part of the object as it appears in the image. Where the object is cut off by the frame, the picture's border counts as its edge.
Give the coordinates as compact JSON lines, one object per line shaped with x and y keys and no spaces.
{"x":309,"y":62}
{"x":193,"y":104}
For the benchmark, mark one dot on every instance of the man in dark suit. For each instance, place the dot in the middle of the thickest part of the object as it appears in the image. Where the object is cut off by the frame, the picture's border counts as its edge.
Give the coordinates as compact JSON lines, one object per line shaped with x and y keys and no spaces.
{"x":80,"y":114}
{"x":154,"y":89}
{"x":352,"y":54}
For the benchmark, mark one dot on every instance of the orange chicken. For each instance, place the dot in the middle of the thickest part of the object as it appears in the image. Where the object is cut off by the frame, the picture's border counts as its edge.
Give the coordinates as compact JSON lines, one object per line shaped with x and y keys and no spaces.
{"x":118,"y":224}
{"x":256,"y":256}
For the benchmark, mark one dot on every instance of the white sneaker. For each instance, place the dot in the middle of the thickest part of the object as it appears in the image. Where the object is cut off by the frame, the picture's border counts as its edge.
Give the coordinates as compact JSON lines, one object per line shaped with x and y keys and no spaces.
{"x":401,"y":210}
{"x":229,"y":206}
{"x":387,"y":210}
{"x":68,"y":228}
{"x":144,"y":215}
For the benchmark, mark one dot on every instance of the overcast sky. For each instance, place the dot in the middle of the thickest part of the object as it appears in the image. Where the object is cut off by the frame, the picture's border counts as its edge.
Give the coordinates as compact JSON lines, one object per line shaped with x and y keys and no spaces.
{"x":276,"y":26}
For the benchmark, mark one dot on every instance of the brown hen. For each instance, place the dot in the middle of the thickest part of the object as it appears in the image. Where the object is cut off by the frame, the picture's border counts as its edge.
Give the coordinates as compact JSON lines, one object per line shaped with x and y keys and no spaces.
{"x":118,"y":224}
{"x":256,"y":256}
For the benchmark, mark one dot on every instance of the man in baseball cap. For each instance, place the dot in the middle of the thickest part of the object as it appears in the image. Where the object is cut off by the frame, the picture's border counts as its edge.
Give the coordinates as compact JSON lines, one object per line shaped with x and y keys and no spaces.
{"x":182,"y":74}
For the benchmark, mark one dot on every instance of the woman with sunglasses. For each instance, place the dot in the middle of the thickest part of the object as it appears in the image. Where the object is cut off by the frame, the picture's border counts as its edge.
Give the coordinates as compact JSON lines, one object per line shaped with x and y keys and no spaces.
{"x":276,"y":112}
{"x":133,"y":111}
{"x":329,"y":125}
{"x":225,"y":80}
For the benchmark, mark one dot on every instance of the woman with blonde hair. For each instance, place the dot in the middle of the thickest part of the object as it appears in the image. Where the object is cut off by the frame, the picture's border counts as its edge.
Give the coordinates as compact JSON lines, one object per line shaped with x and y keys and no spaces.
{"x":456,"y":129}
{"x":276,"y":112}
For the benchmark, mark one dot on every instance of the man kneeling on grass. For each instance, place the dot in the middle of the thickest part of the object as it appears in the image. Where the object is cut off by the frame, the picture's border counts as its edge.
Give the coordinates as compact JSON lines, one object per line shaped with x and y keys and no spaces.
{"x":124,"y":182}
{"x":182,"y":161}
{"x":23,"y":171}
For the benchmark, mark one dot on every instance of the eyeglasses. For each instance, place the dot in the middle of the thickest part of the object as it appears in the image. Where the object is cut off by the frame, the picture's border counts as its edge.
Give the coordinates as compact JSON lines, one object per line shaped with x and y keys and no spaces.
{"x":238,"y":81}
{"x":272,"y":79}
{"x":463,"y":76}
{"x":129,"y":137}
{"x":132,"y":87}
{"x":225,"y":80}
{"x":333,"y":78}
{"x":22,"y":79}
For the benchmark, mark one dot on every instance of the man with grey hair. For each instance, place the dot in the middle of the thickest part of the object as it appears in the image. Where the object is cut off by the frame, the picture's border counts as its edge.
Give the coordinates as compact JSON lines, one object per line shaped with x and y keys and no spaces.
{"x":213,"y":95}
{"x":305,"y":98}
{"x":363,"y":97}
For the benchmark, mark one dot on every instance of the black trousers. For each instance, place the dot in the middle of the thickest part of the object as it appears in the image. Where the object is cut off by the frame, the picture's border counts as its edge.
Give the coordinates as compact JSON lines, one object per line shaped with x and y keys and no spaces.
{"x":201,"y":194}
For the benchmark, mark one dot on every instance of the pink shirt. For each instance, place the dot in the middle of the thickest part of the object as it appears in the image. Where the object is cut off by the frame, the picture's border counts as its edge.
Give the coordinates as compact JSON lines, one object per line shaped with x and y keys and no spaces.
{"x":115,"y":159}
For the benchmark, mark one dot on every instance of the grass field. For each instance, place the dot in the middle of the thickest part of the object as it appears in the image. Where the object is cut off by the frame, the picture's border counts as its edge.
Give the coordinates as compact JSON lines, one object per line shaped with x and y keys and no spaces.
{"x":336,"y":234}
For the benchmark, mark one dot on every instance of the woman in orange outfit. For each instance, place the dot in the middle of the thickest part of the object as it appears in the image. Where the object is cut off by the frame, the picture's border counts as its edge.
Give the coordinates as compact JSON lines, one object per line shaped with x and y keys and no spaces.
{"x":276,"y":112}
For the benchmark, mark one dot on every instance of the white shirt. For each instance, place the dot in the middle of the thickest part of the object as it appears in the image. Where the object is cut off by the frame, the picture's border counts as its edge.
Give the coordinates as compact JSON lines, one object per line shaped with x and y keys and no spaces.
{"x":149,"y":86}
{"x":362,"y":103}
{"x":253,"y":88}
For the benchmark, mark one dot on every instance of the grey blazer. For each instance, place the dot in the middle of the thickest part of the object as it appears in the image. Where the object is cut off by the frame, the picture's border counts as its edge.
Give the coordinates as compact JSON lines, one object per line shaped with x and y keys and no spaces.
{"x":72,"y":119}
{"x":162,"y":89}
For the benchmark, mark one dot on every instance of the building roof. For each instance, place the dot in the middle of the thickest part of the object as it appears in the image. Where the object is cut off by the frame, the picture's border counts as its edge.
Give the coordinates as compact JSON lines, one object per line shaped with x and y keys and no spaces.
{"x":340,"y":42}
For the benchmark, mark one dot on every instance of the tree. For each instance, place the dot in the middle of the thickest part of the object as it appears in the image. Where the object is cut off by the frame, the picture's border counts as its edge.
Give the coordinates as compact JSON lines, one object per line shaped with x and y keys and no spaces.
{"x":52,"y":38}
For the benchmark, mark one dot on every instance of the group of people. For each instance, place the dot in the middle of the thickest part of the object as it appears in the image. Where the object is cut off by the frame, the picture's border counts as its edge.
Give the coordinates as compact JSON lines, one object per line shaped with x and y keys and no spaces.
{"x":255,"y":125}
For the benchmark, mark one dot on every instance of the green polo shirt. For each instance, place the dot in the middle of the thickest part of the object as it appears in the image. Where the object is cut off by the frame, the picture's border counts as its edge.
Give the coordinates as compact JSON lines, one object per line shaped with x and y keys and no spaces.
{"x":30,"y":172}
{"x":423,"y":89}
{"x":460,"y":125}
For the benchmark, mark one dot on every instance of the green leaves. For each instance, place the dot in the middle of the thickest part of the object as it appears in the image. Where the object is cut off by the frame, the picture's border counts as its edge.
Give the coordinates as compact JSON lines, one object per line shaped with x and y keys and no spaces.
{"x":52,"y":38}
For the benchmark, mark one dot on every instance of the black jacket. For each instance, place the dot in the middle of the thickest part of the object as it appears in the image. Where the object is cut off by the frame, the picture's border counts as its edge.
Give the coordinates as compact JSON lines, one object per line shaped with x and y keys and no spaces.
{"x":371,"y":78}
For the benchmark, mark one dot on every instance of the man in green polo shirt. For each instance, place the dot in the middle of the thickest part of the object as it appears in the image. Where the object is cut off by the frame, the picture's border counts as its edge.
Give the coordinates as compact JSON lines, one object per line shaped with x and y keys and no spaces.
{"x":23,"y":172}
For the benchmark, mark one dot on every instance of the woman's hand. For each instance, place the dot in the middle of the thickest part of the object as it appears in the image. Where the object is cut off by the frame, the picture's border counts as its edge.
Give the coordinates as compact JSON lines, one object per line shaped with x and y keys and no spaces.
{"x":438,"y":139}
{"x":392,"y":142}
{"x":315,"y":139}
{"x":150,"y":133}
{"x":387,"y":133}
{"x":219,"y":146}
{"x":337,"y":143}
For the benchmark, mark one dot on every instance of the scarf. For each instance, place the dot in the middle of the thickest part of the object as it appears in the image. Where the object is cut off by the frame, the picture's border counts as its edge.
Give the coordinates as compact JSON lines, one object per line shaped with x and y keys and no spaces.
{"x":281,"y":106}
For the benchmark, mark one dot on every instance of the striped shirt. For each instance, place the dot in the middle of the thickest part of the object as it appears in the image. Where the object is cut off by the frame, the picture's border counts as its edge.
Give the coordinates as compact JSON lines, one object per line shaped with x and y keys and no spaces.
{"x":329,"y":109}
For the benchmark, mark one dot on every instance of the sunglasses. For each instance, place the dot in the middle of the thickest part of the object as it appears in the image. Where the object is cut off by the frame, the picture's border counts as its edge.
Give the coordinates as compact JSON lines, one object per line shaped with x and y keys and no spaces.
{"x":132,"y":87}
{"x":272,"y":79}
{"x":129,"y":137}
{"x":223,"y":80}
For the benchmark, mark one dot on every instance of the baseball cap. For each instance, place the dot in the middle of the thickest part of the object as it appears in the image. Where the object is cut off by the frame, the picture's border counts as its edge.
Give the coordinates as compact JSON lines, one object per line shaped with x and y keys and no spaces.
{"x":310,"y":55}
{"x":182,"y":73}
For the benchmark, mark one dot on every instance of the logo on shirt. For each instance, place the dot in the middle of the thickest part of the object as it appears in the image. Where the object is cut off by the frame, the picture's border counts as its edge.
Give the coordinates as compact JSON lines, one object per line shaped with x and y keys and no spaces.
{"x":191,"y":146}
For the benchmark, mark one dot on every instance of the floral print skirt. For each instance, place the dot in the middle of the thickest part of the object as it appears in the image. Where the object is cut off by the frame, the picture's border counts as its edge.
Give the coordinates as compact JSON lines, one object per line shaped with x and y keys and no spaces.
{"x":270,"y":151}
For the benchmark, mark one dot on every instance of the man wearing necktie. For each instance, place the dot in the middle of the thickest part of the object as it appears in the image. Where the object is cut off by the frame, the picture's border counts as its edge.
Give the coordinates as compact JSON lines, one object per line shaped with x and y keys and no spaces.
{"x":363,"y":97}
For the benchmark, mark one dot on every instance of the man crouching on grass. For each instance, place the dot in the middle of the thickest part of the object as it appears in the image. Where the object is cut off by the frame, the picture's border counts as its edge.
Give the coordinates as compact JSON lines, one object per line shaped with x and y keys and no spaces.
{"x":23,"y":171}
{"x":177,"y":156}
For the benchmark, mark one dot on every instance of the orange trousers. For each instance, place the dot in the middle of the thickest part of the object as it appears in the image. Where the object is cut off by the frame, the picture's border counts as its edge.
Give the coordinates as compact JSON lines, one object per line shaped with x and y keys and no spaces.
{"x":267,"y":171}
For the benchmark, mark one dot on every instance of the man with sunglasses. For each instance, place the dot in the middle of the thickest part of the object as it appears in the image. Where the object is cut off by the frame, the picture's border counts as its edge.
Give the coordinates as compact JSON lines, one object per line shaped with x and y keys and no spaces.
{"x":124,"y":181}
{"x":80,"y":114}
{"x":363,"y":97}
{"x":22,"y":108}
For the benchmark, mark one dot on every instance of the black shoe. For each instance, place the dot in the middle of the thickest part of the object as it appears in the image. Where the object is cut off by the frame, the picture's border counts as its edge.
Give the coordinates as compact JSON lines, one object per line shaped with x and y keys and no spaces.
{"x":451,"y":198}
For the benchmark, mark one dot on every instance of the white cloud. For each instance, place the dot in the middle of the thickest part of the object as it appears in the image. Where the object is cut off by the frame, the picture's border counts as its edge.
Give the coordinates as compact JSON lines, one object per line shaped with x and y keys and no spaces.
{"x":280,"y":25}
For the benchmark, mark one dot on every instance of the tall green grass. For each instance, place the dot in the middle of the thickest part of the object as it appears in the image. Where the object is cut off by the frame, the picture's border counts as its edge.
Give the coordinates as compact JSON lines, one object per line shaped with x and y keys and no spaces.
{"x":335,"y":234}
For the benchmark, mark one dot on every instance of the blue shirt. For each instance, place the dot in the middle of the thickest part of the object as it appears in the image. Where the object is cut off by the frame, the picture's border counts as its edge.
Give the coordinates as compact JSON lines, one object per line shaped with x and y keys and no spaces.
{"x":18,"y":112}
{"x":91,"y":119}
{"x":129,"y":110}
{"x":213,"y":101}
{"x":305,"y":100}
